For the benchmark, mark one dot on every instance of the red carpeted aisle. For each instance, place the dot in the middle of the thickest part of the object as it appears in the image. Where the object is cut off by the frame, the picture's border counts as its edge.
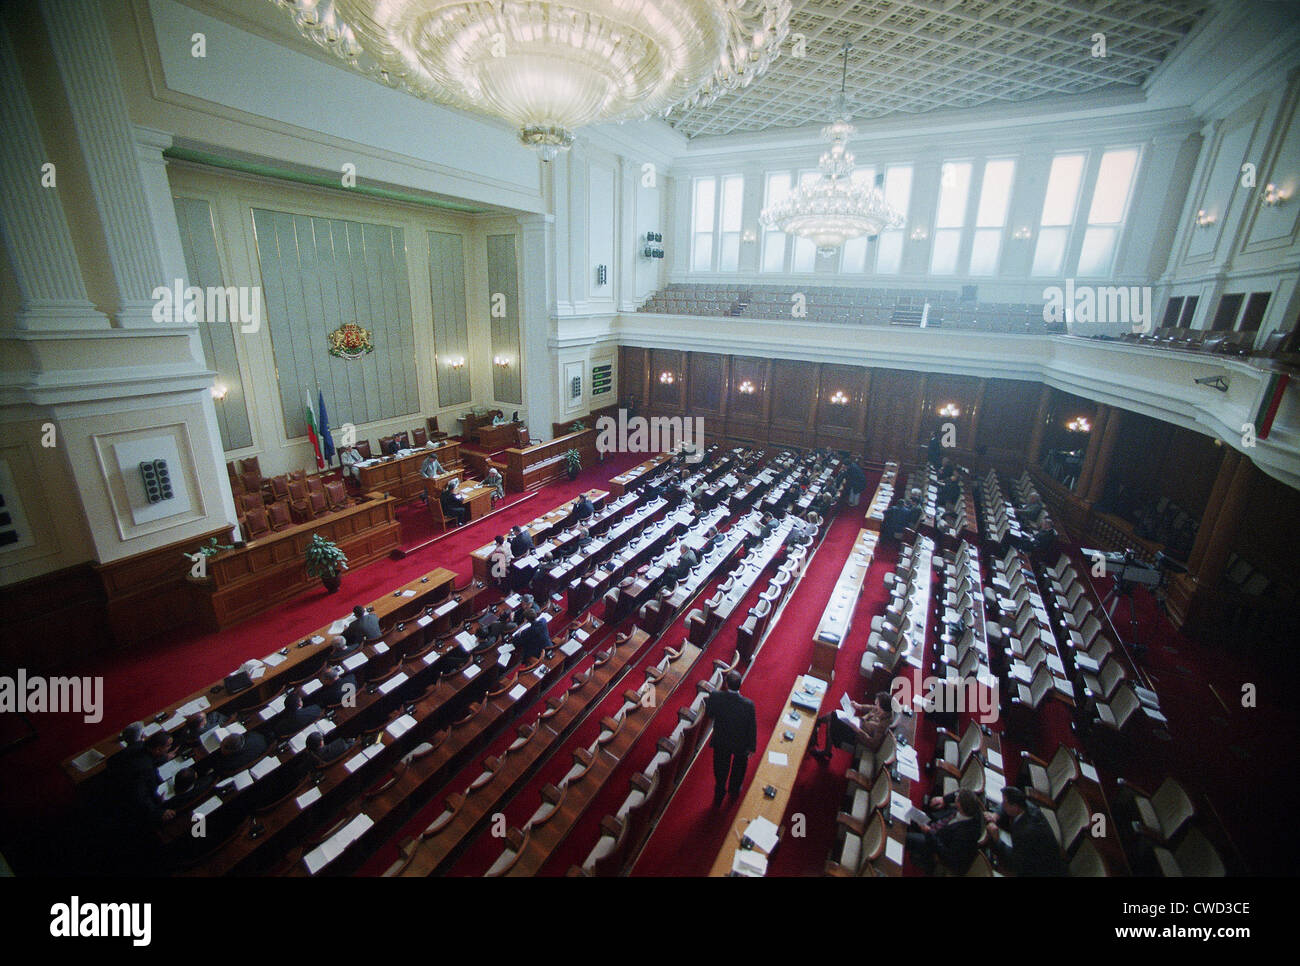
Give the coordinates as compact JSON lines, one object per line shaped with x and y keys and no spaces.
{"x":689,"y":833}
{"x":140,"y":680}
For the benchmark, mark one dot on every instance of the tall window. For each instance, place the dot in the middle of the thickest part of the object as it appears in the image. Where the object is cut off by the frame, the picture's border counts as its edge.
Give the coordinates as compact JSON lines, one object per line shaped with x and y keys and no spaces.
{"x":853,"y":257}
{"x":1106,"y":214}
{"x":954,"y":189}
{"x":1058,"y":213}
{"x":991,"y":218}
{"x":898,"y":192}
{"x":805,"y":251}
{"x":715,"y":227}
{"x":733,"y":203}
{"x":773,"y":255}
{"x":702,"y":225}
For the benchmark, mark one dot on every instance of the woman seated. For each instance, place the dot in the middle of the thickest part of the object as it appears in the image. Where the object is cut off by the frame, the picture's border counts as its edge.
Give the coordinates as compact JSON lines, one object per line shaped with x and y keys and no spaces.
{"x":493,"y":479}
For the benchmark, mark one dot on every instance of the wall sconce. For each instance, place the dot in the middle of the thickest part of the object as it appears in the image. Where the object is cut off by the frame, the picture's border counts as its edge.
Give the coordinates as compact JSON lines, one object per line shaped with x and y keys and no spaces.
{"x":1022,"y":233}
{"x":219,"y":390}
{"x":1273,"y":196}
{"x":746,"y":387}
{"x":667,"y":378}
{"x":1204,"y":219}
{"x":839,"y":399}
{"x":502,"y":361}
{"x":919,"y":234}
{"x":456,"y":362}
{"x":1079,"y":424}
{"x":949,"y":411}
{"x":750,"y":236}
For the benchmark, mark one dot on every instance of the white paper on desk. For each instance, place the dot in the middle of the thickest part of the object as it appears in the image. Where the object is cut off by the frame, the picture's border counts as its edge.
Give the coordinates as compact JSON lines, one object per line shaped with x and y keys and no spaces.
{"x":995,"y":758}
{"x":337,"y":627}
{"x":355,"y":661}
{"x":243,"y":780}
{"x":272,"y":709}
{"x":372,"y":750}
{"x":763,"y":833}
{"x":909,"y":770}
{"x":257,"y":672}
{"x":169,"y":768}
{"x":467,"y":641}
{"x":152,"y":728}
{"x":264,"y":767}
{"x":901,"y":808}
{"x":472,"y":671}
{"x":1089,"y":772}
{"x":174,"y":722}
{"x":379,"y":647}
{"x":424,"y":621}
{"x":88,"y":760}
{"x":778,"y":758}
{"x":315,"y":860}
{"x":355,"y":762}
{"x":396,"y":681}
{"x":312,"y":686}
{"x":208,"y":807}
{"x":751,"y":865}
{"x":298,"y":743}
{"x":503,"y":658}
{"x":446,"y":608}
{"x":318,"y":639}
{"x":307,"y":797}
{"x":211,"y":740}
{"x":517,"y":692}
{"x":571,"y":648}
{"x":274,"y":660}
{"x":408,"y":593}
{"x":894,"y":851}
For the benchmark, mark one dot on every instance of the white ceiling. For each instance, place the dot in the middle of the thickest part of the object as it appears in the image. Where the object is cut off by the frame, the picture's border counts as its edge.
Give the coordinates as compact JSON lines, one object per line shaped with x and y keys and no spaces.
{"x":913,"y":56}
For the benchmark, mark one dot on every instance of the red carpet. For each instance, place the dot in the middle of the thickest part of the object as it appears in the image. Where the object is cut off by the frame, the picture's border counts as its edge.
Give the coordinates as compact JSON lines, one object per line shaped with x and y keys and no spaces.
{"x":140,"y":680}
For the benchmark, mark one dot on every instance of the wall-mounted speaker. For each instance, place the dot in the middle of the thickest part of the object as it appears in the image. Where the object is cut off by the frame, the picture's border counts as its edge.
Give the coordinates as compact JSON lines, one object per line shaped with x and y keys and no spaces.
{"x":157,"y":480}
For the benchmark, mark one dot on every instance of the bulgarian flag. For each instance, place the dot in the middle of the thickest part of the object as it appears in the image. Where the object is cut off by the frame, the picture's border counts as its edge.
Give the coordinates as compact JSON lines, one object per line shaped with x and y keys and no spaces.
{"x":1273,"y":394}
{"x":313,"y":435}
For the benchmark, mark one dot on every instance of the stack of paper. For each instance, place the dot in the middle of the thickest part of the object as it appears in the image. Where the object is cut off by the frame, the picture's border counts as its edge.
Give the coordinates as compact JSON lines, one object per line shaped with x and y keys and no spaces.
{"x":763,"y":833}
{"x":749,"y":864}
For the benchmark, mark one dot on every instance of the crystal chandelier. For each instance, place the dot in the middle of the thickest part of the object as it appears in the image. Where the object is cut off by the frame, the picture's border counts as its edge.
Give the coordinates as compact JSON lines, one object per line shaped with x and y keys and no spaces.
{"x":550,"y":66}
{"x":833,"y":209}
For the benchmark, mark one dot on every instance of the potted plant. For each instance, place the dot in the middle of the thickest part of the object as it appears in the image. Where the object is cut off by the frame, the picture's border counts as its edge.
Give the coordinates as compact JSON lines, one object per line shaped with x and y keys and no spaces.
{"x":209,"y":549}
{"x":326,"y":561}
{"x":573,"y":463}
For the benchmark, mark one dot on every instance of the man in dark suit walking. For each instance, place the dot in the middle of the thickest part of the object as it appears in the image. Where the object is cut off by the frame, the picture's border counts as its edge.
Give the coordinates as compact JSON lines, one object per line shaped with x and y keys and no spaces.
{"x":735,"y":735}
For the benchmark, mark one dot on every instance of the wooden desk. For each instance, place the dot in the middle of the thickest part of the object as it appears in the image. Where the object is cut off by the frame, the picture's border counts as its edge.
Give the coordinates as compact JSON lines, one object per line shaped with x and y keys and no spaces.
{"x":499,"y":437}
{"x":542,"y":524}
{"x":533,"y":466}
{"x":618,"y":485}
{"x":780,"y":777}
{"x":399,"y":476}
{"x":255,"y":577}
{"x":472,"y":425}
{"x":837,"y":619}
{"x":430,"y":588}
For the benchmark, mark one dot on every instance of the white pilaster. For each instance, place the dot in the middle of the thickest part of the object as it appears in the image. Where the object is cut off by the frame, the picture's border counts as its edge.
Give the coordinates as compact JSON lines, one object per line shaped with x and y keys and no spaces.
{"x":539,"y":366}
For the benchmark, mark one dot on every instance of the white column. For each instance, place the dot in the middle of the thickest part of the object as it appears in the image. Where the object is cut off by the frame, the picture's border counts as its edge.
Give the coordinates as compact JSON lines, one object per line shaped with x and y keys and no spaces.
{"x":539,"y":366}
{"x":32,"y":219}
{"x":83,"y":54}
{"x":627,"y":243}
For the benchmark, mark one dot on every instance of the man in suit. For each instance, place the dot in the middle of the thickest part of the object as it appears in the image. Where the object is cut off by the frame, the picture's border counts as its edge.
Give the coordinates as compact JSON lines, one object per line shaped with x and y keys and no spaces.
{"x":295,"y":716}
{"x":451,"y":505}
{"x":867,"y":726}
{"x":339,"y":687}
{"x":534,"y":640}
{"x":735,"y":736}
{"x":857,"y":482}
{"x":133,"y":778}
{"x":521,"y":541}
{"x":364,"y":627}
{"x":1033,"y":850}
{"x":199,"y":724}
{"x":323,"y":754}
{"x":584,"y":508}
{"x":951,"y":836}
{"x":238,"y":752}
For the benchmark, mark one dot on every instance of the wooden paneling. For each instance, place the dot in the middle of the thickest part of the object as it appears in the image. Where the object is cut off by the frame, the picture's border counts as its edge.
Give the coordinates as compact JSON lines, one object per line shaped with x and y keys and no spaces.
{"x":843,"y":426}
{"x":633,"y":373}
{"x":707,"y":384}
{"x":529,"y":468}
{"x":795,"y":389}
{"x":668,"y":398}
{"x":893,"y":414}
{"x":1006,"y":420}
{"x":52,"y":620}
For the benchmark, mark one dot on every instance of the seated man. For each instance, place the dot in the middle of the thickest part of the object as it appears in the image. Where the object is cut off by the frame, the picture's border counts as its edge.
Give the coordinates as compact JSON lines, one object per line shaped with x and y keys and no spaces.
{"x":868,"y":726}
{"x":685,"y":563}
{"x":339,"y":688}
{"x":584,"y":537}
{"x":452,"y":508}
{"x":295,"y":716}
{"x":493,"y":479}
{"x":535,"y":639}
{"x":322,"y":754}
{"x":1033,"y":849}
{"x":584,"y":508}
{"x":188,"y":789}
{"x":340,"y":649}
{"x":199,"y":724}
{"x":951,"y":836}
{"x":238,"y":752}
{"x":364,"y":627}
{"x":349,"y":458}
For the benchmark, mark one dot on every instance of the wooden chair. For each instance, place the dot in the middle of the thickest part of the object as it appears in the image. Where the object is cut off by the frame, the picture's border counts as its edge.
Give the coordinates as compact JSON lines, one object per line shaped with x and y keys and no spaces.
{"x":434,"y":432}
{"x":279,"y":486}
{"x":403,"y":440}
{"x":278,"y":516}
{"x":250,"y":501}
{"x":336,"y":494}
{"x":385,"y":444}
{"x":419,"y":437}
{"x":252,"y":482}
{"x":435,"y":511}
{"x":317,"y":503}
{"x":256,"y":523}
{"x":363,"y":448}
{"x":250,"y":465}
{"x":299,"y":506}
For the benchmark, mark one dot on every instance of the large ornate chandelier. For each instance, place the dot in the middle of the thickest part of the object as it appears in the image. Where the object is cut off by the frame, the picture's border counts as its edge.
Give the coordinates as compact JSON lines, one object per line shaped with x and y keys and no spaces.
{"x":551,"y":66}
{"x":833,"y":209}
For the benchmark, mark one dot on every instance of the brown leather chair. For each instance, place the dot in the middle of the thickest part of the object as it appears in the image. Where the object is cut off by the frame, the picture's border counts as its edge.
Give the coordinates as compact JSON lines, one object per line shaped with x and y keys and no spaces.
{"x":252,"y":482}
{"x":298,"y":475}
{"x":256,"y":524}
{"x":434,"y":431}
{"x":278,"y":515}
{"x":251,"y":465}
{"x":336,"y":494}
{"x":237,"y":486}
{"x":299,"y":504}
{"x":232,"y":470}
{"x":249,"y":501}
{"x":363,"y":447}
{"x":315,"y":483}
{"x":279,"y":488}
{"x":317,"y":504}
{"x":385,"y":443}
{"x":419,"y":437}
{"x":435,"y":510}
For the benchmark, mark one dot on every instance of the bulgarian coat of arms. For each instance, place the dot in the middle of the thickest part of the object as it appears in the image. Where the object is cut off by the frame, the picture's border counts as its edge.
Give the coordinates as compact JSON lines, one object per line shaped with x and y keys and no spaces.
{"x":350,"y":341}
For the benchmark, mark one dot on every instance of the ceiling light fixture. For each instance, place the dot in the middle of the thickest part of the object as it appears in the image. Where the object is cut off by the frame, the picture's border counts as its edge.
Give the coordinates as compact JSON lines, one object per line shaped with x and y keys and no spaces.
{"x":548,"y":67}
{"x":833,"y":209}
